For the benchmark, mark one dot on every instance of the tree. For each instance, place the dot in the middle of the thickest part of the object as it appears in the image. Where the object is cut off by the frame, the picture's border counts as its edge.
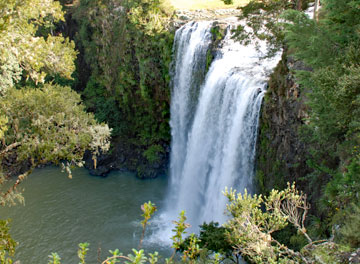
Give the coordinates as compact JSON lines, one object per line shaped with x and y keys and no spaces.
{"x":45,"y":125}
{"x":7,"y":244}
{"x":127,"y":46}
{"x":330,"y":47}
{"x":255,"y":218}
{"x":316,"y":10}
{"x":38,"y":124}
{"x":262,"y":22}
{"x":250,"y":227}
{"x":211,"y":240}
{"x":23,"y":51}
{"x":42,"y":123}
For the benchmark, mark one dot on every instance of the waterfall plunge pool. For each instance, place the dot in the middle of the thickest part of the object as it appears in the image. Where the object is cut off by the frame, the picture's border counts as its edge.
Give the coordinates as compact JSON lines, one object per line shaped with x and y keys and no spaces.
{"x":60,"y":213}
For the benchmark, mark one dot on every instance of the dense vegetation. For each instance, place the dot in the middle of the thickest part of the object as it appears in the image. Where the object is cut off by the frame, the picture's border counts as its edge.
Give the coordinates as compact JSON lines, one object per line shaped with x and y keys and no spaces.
{"x":332,"y":51}
{"x":125,"y":49}
{"x":327,"y":46}
{"x":41,"y":122}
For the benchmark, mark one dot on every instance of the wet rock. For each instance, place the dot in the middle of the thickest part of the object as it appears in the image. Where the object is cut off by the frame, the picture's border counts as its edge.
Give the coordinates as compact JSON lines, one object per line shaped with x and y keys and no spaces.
{"x":281,"y":154}
{"x":126,"y":157}
{"x":183,"y":16}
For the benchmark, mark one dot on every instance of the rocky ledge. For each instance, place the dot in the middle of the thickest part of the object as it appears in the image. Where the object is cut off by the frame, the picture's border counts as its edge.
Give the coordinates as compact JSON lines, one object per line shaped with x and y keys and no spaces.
{"x":204,"y":14}
{"x":183,"y":16}
{"x":126,"y":157}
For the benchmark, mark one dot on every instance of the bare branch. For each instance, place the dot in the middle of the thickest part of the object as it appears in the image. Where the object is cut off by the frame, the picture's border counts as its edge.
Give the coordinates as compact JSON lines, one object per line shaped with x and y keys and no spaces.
{"x":19,"y":180}
{"x":9,"y":148}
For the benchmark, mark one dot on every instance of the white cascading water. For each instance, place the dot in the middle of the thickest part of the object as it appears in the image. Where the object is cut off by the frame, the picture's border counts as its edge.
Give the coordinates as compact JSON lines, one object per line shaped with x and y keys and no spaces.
{"x":213,"y":124}
{"x":190,"y":46}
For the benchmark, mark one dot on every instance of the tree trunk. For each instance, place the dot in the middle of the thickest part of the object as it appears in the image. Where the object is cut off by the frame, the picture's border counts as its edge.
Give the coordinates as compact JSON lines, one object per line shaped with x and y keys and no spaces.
{"x":316,"y":11}
{"x":299,"y":4}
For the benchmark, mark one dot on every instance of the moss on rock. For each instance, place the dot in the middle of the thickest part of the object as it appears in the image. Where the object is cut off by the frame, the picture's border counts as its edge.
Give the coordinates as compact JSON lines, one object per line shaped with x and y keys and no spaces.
{"x":281,"y":154}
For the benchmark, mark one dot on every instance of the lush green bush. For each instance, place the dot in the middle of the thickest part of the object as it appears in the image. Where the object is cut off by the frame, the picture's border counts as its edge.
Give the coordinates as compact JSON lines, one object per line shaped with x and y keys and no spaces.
{"x":329,"y":48}
{"x":40,"y":122}
{"x":7,"y":244}
{"x":128,"y":47}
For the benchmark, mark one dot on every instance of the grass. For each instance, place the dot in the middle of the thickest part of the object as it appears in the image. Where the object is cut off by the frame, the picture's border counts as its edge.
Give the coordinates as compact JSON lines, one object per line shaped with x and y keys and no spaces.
{"x":205,"y":4}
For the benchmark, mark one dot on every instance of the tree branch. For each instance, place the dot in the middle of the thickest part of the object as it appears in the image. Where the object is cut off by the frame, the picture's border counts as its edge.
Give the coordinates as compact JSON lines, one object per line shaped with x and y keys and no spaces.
{"x":10,"y":147}
{"x":20,"y":178}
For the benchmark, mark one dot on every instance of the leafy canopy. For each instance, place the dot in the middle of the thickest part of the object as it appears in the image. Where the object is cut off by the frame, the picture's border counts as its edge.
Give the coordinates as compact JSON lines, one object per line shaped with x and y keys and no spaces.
{"x":45,"y":123}
{"x":329,"y":48}
{"x":49,"y":124}
{"x":262,"y":22}
{"x":23,"y":52}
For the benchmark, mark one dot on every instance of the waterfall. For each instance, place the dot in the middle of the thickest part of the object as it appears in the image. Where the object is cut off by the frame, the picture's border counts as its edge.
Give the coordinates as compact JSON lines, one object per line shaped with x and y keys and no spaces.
{"x":214,"y":122}
{"x":190,"y":46}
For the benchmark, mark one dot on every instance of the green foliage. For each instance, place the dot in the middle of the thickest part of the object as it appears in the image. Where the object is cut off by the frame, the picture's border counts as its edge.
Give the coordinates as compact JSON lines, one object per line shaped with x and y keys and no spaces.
{"x":251,"y":227}
{"x":54,"y":258}
{"x":331,"y":253}
{"x":45,"y":125}
{"x":344,"y":188}
{"x":105,"y":107}
{"x":349,"y":231}
{"x":192,"y":252}
{"x":26,"y":54}
{"x":138,"y":257}
{"x":218,"y":33}
{"x":228,"y":2}
{"x":199,"y":250}
{"x":82,"y":251}
{"x":114,"y":258}
{"x":7,"y":244}
{"x":179,"y":230}
{"x":211,"y":239}
{"x":153,"y":257}
{"x":214,"y":238}
{"x":152,"y":153}
{"x":3,"y":126}
{"x":330,"y":47}
{"x":151,"y":17}
{"x":129,"y":49}
{"x":291,"y":238}
{"x":263,"y":23}
{"x":334,"y":83}
{"x":54,"y":130}
{"x":149,"y":209}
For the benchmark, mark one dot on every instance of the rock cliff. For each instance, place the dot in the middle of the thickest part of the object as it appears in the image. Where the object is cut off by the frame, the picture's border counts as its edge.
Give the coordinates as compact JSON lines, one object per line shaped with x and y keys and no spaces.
{"x":281,"y":154}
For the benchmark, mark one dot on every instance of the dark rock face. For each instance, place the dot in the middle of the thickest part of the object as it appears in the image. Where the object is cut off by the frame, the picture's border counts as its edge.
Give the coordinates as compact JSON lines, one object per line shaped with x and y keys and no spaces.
{"x":128,"y":157}
{"x":14,"y":168}
{"x":125,"y":157}
{"x":281,"y":154}
{"x":222,"y":16}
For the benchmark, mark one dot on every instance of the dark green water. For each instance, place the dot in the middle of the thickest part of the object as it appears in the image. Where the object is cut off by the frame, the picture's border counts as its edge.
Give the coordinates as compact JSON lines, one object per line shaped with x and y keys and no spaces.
{"x":60,"y":213}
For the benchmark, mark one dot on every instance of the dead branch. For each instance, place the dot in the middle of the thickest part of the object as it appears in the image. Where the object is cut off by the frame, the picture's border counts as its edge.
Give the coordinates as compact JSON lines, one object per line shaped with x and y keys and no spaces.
{"x":9,"y":148}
